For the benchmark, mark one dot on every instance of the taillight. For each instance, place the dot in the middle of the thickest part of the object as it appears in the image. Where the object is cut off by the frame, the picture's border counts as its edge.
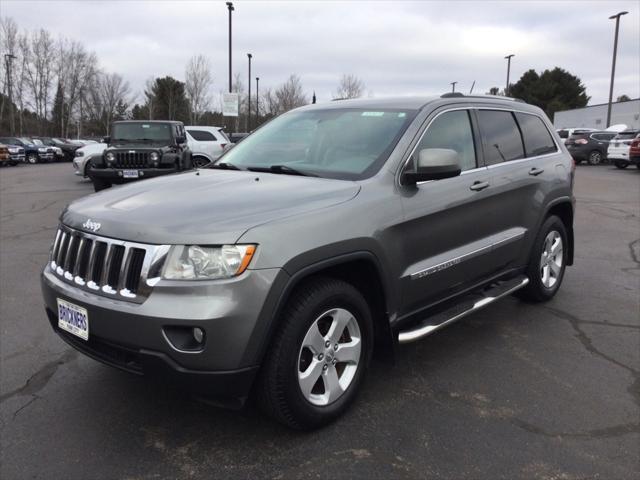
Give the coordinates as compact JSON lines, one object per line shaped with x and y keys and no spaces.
{"x":635,"y":143}
{"x":222,"y":145}
{"x":582,"y":141}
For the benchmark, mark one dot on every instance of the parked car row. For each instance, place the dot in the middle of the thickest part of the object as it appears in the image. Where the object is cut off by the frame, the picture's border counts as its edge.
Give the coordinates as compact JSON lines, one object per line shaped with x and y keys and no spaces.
{"x":42,"y":149}
{"x":595,"y":146}
{"x":11,"y":155}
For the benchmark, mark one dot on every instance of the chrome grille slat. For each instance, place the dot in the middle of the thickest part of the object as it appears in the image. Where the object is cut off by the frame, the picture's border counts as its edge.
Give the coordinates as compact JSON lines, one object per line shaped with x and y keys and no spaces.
{"x":79,"y":254}
{"x":105,"y":266}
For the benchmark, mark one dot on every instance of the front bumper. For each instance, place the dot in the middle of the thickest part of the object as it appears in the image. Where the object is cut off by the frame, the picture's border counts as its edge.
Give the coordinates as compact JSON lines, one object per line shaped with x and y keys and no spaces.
{"x":16,"y":157}
{"x":134,"y":337}
{"x":116,"y":174}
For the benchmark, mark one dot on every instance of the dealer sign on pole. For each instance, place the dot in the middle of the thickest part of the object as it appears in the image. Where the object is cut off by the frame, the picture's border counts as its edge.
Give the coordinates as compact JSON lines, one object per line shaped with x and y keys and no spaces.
{"x":230,"y":104}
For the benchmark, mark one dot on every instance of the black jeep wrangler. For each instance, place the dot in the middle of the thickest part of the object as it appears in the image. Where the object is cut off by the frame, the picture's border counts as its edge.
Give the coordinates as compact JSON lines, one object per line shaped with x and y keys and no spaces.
{"x":141,"y":149}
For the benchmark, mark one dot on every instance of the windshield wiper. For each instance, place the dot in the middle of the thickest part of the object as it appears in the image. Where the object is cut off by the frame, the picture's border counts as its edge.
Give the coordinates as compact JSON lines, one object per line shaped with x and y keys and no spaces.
{"x":283,"y":169}
{"x":223,"y":166}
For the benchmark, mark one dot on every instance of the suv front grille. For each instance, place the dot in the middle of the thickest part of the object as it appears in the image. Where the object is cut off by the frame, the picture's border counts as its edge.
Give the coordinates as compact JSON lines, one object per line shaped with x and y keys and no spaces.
{"x":131,"y":159}
{"x":108,"y":267}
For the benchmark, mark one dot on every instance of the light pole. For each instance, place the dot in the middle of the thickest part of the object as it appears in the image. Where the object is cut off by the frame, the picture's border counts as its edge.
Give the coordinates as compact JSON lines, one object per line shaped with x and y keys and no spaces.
{"x":453,"y":86}
{"x":257,"y":99}
{"x":230,"y":8}
{"x":249,"y":99}
{"x":8,"y":58}
{"x":508,"y":58}
{"x":613,"y":63}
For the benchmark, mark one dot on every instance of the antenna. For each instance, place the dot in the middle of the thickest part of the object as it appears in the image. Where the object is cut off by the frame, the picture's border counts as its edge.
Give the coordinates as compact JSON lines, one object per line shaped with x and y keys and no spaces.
{"x":472,"y":85}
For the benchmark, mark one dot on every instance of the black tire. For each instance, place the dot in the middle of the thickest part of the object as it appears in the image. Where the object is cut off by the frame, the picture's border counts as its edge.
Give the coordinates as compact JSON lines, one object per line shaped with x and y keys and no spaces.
{"x":621,"y":164}
{"x":199,"y":161}
{"x":13,"y":164}
{"x":595,"y":157}
{"x":278,"y":390}
{"x":100,"y":184}
{"x":536,"y":291}
{"x":32,"y":158}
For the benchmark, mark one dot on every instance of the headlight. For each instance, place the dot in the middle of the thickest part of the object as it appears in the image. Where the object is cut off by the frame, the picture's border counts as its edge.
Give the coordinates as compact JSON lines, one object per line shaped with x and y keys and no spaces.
{"x":193,"y":262}
{"x":110,"y":157}
{"x":44,"y":150}
{"x":13,"y":150}
{"x":153,"y":156}
{"x":79,"y":153}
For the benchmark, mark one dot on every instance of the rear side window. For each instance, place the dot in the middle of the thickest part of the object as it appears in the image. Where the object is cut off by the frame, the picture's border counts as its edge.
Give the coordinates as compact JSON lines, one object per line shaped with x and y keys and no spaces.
{"x":202,"y":135}
{"x":500,"y":136}
{"x":536,"y":136}
{"x":452,"y":130}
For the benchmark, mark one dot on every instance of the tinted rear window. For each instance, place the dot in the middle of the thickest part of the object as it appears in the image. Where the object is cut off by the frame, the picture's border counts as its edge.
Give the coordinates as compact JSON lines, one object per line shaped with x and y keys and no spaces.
{"x":536,"y":136}
{"x":501,"y":136}
{"x":202,"y":135}
{"x":626,"y":135}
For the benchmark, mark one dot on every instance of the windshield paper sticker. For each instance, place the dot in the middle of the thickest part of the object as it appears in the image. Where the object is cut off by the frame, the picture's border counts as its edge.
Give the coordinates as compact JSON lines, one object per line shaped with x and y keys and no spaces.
{"x":372,"y":114}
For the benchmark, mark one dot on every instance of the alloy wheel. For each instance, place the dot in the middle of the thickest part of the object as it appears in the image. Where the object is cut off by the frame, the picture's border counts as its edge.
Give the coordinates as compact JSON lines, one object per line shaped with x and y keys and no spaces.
{"x":329,"y":356}
{"x":551,"y":259}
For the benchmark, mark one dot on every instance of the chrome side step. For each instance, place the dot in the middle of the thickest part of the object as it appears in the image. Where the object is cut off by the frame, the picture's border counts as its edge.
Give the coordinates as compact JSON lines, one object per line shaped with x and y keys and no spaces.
{"x":469,"y":304}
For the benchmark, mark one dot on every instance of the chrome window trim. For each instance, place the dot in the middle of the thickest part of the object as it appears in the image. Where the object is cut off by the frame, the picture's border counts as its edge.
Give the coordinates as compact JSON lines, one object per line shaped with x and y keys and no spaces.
{"x":484,"y":167}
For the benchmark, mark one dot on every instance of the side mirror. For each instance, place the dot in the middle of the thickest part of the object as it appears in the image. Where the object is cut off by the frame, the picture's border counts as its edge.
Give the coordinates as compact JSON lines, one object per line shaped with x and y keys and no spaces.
{"x":434,"y":164}
{"x":106,"y":140}
{"x":181,"y":140}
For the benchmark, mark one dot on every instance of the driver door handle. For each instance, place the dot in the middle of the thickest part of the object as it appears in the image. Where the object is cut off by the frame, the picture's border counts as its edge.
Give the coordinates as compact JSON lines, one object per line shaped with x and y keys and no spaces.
{"x":478,"y":185}
{"x":536,"y":171}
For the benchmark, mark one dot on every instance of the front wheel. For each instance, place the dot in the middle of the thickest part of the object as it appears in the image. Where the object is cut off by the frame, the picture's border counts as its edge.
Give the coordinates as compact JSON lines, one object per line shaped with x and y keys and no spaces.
{"x":548,"y":261}
{"x":319,"y":355}
{"x":32,"y":158}
{"x":100,"y":184}
{"x":621,"y":164}
{"x":595,"y":157}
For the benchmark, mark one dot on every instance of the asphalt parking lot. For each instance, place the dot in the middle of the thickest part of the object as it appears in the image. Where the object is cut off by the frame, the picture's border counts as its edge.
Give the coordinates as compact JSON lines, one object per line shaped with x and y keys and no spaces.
{"x":515,"y":391}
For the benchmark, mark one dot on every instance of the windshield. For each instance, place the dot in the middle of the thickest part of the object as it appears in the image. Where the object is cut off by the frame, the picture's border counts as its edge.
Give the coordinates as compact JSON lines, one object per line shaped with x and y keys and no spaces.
{"x":25,"y":140}
{"x":152,"y":132}
{"x":347,"y":144}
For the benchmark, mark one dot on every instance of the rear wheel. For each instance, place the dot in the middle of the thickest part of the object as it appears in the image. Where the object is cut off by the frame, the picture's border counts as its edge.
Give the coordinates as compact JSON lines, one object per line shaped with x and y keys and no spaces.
{"x":595,"y":157}
{"x":318,"y":357}
{"x":548,"y":261}
{"x":621,"y":164}
{"x":199,"y":162}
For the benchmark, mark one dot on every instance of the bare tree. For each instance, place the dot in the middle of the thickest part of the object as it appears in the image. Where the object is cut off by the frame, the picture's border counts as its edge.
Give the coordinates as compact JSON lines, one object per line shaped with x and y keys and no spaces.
{"x":39,"y":73}
{"x":198,"y":81}
{"x":8,"y":45}
{"x":114,"y":90}
{"x":289,"y":95}
{"x":350,"y":86}
{"x":77,"y":69}
{"x":149,"y":96}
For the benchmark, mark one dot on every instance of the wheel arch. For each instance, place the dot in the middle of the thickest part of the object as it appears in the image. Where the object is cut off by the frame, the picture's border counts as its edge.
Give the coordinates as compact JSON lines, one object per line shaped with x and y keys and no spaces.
{"x":361,"y":269}
{"x":563,"y":208}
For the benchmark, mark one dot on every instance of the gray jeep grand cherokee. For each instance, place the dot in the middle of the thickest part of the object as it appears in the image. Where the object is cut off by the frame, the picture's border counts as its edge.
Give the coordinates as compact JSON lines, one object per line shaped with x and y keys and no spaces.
{"x":332,"y":231}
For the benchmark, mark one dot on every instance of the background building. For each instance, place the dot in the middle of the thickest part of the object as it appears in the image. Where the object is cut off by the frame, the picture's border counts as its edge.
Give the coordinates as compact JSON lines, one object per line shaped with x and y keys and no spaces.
{"x":595,"y":116}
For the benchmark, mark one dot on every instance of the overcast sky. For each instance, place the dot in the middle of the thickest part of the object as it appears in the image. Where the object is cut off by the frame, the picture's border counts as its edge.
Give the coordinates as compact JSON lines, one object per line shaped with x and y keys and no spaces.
{"x":396,"y":48}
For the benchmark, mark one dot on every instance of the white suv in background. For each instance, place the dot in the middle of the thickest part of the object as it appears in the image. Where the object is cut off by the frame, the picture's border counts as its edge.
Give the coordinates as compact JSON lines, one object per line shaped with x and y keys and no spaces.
{"x":206,"y":143}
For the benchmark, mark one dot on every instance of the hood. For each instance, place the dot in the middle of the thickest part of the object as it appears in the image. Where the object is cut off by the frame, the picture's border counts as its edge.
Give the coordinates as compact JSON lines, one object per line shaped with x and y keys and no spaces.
{"x":204,"y":207}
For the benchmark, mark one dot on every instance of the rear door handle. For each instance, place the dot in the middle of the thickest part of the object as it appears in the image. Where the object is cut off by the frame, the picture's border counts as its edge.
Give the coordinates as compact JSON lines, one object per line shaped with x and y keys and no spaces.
{"x":536,"y":171}
{"x":478,"y":185}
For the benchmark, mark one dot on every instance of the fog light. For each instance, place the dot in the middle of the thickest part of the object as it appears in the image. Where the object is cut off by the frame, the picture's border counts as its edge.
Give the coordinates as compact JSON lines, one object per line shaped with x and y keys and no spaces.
{"x":142,"y":174}
{"x":120,"y":173}
{"x":198,"y":334}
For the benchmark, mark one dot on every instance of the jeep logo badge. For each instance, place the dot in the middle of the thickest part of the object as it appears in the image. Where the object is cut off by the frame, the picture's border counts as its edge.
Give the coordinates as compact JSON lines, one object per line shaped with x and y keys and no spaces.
{"x":91,"y":225}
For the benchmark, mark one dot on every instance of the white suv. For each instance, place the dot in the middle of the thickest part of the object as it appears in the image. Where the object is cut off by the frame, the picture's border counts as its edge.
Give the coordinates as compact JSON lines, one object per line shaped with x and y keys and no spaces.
{"x":206,"y":143}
